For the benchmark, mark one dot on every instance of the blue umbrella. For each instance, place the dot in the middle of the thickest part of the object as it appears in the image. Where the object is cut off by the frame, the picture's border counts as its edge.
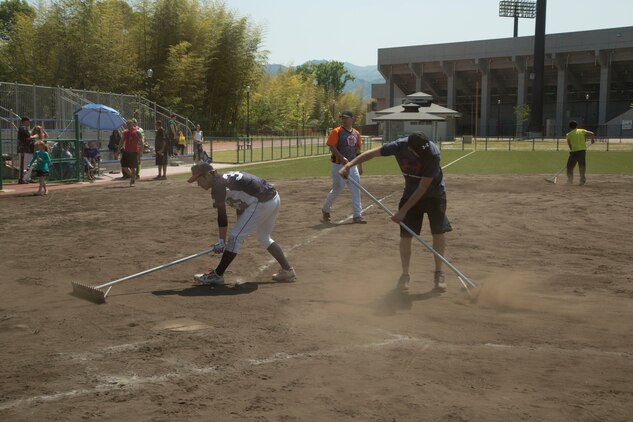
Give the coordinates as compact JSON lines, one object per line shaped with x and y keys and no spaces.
{"x":100,"y":117}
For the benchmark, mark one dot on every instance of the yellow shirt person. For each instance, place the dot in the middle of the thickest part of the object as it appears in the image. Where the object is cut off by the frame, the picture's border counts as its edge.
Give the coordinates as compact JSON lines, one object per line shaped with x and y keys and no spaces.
{"x":577,"y":142}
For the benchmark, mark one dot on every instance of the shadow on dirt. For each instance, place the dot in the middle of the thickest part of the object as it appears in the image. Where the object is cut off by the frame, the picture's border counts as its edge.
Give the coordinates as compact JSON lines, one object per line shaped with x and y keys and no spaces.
{"x":400,"y":300}
{"x":228,"y":290}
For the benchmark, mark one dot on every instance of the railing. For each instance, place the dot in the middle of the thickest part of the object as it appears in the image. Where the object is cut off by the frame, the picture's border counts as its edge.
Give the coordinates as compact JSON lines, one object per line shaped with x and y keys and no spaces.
{"x":269,"y":148}
{"x":488,"y":143}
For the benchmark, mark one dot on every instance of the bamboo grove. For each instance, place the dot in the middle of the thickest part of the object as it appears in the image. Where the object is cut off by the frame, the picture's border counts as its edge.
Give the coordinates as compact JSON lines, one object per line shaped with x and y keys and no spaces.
{"x":203,"y":56}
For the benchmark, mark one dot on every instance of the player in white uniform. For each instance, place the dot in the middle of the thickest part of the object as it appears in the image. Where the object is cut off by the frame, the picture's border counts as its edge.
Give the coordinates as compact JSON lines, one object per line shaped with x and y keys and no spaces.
{"x":257,"y":204}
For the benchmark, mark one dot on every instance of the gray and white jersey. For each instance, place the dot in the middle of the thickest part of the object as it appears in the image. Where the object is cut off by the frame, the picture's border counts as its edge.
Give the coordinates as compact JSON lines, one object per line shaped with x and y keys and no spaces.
{"x":239,"y":189}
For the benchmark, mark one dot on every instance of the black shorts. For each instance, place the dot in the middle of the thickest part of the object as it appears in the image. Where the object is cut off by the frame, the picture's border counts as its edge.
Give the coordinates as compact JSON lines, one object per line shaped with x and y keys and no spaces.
{"x":129,"y":160}
{"x":434,"y":207}
{"x":41,"y":173}
{"x":161,"y":160}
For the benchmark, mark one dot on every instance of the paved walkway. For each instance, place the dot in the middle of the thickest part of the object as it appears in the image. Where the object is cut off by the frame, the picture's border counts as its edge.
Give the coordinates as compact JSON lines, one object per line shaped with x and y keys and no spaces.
{"x":148,"y":172}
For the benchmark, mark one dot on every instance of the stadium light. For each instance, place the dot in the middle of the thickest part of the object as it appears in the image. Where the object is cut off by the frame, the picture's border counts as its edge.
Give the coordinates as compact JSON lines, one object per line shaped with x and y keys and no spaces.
{"x":517,"y":9}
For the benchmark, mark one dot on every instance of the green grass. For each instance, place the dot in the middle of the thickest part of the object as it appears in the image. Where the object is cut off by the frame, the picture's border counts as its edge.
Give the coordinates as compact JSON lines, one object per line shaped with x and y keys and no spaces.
{"x":480,"y":162}
{"x":537,"y":162}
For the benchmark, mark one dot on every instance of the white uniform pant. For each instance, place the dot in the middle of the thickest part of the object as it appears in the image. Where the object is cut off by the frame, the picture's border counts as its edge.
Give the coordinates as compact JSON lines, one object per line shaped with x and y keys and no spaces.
{"x":337,"y":186}
{"x":259,"y":217}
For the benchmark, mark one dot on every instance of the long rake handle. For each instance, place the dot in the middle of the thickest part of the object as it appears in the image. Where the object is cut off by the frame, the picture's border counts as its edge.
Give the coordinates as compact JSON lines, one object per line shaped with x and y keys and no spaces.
{"x":151,"y":270}
{"x":460,"y":275}
{"x":559,"y":171}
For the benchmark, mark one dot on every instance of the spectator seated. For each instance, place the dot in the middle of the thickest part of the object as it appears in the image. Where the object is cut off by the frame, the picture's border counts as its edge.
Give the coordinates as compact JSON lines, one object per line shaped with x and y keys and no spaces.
{"x":92,"y":158}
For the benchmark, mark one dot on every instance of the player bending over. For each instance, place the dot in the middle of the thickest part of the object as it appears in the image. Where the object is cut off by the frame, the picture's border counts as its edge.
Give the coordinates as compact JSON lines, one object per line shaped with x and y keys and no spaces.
{"x":257,"y":204}
{"x":424,"y":193}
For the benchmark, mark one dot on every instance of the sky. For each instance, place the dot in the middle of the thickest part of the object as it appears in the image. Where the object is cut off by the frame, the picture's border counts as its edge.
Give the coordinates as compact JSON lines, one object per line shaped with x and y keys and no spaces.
{"x":296,"y":31}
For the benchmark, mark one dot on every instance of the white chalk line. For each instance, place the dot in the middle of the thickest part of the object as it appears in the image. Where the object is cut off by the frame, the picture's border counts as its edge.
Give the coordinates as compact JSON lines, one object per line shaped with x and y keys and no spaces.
{"x":123,"y":382}
{"x":460,"y":158}
{"x":264,"y":267}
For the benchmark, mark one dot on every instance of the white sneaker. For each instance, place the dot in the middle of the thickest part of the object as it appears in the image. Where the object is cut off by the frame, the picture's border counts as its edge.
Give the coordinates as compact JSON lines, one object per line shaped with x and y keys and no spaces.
{"x":403,"y":282}
{"x":209,"y":278}
{"x":285,"y":275}
{"x":440,"y":284}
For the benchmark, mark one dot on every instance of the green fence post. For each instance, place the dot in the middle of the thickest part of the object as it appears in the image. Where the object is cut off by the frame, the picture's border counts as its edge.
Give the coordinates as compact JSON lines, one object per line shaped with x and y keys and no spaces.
{"x":78,"y":153}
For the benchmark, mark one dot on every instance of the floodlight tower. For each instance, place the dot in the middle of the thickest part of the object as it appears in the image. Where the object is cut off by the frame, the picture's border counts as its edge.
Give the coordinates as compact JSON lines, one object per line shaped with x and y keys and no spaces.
{"x":517,"y":9}
{"x":536,"y":118}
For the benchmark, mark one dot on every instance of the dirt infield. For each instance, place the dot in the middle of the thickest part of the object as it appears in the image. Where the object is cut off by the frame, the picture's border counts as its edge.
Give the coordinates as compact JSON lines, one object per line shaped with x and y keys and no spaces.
{"x":548,"y":336}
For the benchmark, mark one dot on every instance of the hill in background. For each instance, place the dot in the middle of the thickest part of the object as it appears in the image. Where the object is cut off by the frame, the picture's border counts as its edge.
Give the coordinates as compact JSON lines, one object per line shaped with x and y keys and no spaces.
{"x":365,"y":76}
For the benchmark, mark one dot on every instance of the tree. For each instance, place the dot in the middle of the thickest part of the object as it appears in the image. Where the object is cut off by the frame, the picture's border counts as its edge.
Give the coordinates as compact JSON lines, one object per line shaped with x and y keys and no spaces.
{"x":186,"y":90}
{"x":522,"y":113}
{"x":9,"y":12}
{"x":330,"y":76}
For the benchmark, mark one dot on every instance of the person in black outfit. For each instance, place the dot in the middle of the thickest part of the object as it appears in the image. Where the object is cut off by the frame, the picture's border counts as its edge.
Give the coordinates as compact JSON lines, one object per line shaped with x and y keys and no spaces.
{"x":161,"y":146}
{"x":26,"y":148}
{"x":113,"y":145}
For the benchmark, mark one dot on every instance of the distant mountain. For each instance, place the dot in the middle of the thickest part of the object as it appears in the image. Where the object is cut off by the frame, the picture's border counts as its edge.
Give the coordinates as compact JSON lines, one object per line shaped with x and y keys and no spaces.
{"x":365,"y":76}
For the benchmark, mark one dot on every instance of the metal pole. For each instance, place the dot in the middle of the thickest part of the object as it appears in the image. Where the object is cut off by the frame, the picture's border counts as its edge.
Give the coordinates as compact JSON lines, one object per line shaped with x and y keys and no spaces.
{"x":248,"y":112}
{"x":539,"y":67}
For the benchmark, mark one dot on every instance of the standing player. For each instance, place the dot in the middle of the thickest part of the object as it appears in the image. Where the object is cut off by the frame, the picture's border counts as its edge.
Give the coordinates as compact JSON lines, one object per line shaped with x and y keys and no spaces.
{"x":131,"y":144}
{"x":26,"y":149}
{"x":424,"y":193}
{"x":344,"y":143}
{"x":141,"y":135}
{"x":577,"y":142}
{"x":257,"y":204}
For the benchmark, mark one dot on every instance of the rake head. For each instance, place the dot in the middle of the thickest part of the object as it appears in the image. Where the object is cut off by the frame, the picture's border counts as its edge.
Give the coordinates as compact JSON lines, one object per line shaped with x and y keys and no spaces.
{"x":551,"y":180}
{"x":89,"y":293}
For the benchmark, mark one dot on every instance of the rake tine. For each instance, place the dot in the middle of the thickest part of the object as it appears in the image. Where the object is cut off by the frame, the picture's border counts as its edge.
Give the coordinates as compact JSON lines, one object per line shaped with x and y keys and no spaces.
{"x":554,"y":178}
{"x":88,"y":292}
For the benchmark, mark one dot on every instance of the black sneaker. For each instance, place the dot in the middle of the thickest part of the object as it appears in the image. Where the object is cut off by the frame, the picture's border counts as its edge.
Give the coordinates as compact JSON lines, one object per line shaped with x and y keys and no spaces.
{"x":359,"y":220}
{"x":326,"y":216}
{"x":403,"y":282}
{"x":440,"y":284}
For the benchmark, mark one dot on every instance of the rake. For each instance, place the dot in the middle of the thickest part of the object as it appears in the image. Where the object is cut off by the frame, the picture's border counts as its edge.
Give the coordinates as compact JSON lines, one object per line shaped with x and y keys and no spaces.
{"x":96,"y":295}
{"x":554,"y":178}
{"x":462,"y":278}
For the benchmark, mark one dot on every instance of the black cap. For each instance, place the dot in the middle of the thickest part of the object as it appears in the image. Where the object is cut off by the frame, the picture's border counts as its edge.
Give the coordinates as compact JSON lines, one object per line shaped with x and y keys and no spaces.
{"x":24,"y":119}
{"x":346,"y":113}
{"x":419,"y":143}
{"x":199,"y":170}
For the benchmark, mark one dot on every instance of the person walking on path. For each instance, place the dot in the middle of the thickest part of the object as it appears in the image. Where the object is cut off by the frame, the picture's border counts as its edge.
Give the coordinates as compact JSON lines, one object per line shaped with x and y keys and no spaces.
{"x":25,"y":149}
{"x":162,"y":152}
{"x":172,"y":134}
{"x":424,"y":193}
{"x":42,"y":159}
{"x":257,"y":203}
{"x":577,"y":142}
{"x":182,"y":143}
{"x":113,"y":144}
{"x":345,"y":144}
{"x":131,"y":144}
{"x":141,"y":134}
{"x":197,"y":145}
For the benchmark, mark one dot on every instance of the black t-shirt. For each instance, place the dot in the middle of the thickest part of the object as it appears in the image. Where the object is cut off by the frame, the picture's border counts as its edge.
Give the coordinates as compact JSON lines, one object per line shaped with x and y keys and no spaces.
{"x":413,"y":168}
{"x":25,"y":143}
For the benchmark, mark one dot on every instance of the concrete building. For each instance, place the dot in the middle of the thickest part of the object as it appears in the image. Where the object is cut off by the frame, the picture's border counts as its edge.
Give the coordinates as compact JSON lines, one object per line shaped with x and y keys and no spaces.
{"x":588,"y":78}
